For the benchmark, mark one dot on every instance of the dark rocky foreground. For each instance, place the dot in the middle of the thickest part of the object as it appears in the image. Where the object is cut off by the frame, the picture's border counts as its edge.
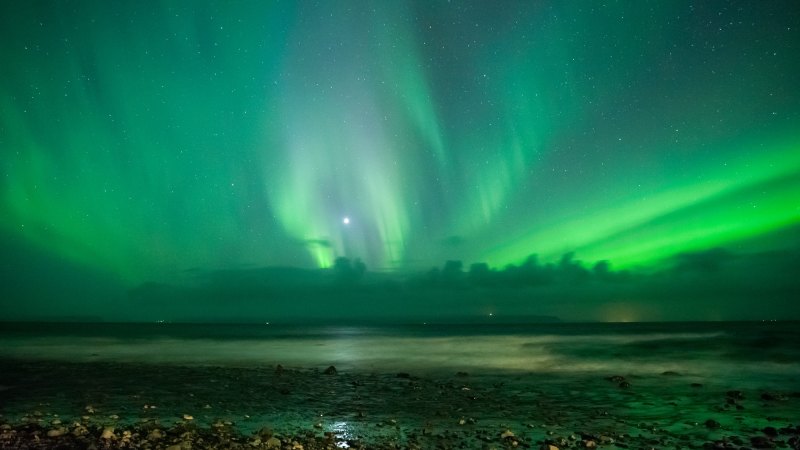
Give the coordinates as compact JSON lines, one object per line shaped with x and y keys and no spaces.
{"x":139,"y":406}
{"x":186,"y":436}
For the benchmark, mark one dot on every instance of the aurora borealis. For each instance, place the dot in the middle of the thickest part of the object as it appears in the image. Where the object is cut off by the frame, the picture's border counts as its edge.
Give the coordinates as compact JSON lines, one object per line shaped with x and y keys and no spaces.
{"x":146,"y":140}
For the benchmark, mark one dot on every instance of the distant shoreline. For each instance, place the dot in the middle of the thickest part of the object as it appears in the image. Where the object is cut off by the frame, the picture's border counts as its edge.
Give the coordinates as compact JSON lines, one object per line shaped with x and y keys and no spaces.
{"x":536,"y":320}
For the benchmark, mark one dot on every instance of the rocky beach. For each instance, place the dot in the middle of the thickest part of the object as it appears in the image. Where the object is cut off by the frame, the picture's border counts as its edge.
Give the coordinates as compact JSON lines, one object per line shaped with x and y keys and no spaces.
{"x":57,"y":404}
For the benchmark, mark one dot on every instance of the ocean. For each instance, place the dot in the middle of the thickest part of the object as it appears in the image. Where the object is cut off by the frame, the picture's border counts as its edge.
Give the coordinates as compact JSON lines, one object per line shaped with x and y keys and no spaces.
{"x":617,"y":385}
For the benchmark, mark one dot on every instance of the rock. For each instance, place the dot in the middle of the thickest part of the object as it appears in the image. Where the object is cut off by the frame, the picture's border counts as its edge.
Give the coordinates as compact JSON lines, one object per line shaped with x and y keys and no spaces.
{"x":155,"y":435}
{"x":616,"y":378}
{"x":279,"y":369}
{"x":711,"y":424}
{"x":770,"y":431}
{"x":265,"y":432}
{"x":56,"y":432}
{"x":404,"y":375}
{"x":297,"y":446}
{"x":735,"y":395}
{"x":624,"y":385}
{"x":590,"y":444}
{"x":549,"y":447}
{"x":187,"y":417}
{"x":108,"y":433}
{"x":180,"y":446}
{"x":696,"y":385}
{"x":761,"y":442}
{"x":273,"y":442}
{"x":330,"y":371}
{"x":670,"y":373}
{"x":506,"y":434}
{"x":771,"y":397}
{"x":462,"y":374}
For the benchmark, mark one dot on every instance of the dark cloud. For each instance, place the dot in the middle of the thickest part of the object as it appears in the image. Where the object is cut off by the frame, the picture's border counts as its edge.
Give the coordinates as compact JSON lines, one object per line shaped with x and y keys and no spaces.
{"x":715,"y":284}
{"x":704,"y":262}
{"x":718,"y":284}
{"x":35,"y":283}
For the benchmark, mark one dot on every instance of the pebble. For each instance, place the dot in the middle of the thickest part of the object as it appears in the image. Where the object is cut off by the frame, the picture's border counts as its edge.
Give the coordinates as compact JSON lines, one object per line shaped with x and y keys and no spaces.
{"x":57,"y":432}
{"x":108,"y":433}
{"x":761,"y":442}
{"x":606,"y":440}
{"x":735,"y":395}
{"x":155,"y":435}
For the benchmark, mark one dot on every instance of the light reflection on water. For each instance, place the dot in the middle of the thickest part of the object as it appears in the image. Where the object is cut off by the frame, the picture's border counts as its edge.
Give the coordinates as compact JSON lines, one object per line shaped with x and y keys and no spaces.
{"x":692,"y":350}
{"x":342,"y":431}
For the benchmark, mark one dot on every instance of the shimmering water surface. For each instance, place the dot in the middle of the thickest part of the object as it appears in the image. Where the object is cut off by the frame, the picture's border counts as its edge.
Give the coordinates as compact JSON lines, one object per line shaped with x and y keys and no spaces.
{"x":762,"y":349}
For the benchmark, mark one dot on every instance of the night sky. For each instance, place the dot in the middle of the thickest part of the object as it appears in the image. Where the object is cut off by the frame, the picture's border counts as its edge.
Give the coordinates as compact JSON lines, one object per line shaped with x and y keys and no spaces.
{"x":213,"y":154}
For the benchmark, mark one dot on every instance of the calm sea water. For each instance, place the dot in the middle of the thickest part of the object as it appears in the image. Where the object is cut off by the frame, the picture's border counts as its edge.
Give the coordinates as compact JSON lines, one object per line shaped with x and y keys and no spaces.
{"x":747,"y":350}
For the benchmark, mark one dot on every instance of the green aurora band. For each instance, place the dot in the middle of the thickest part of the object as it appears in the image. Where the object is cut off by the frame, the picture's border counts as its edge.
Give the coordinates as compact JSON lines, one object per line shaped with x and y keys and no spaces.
{"x":148,"y":139}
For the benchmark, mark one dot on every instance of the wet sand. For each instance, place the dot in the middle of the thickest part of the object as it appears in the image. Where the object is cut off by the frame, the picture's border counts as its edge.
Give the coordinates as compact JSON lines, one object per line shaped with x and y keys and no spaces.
{"x":133,"y":405}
